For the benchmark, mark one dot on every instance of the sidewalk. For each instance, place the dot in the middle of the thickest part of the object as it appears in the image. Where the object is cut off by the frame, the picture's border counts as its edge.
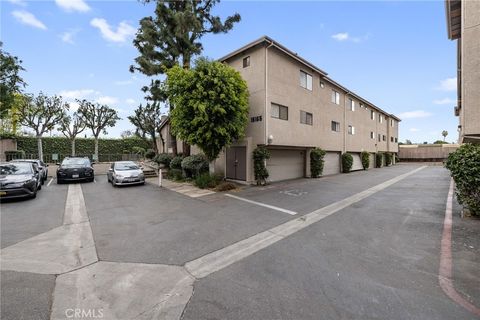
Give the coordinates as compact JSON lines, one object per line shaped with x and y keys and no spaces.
{"x":185,"y":188}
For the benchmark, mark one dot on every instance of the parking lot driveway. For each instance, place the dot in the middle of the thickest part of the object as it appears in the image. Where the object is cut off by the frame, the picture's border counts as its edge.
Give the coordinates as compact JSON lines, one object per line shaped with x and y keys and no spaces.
{"x":23,"y":219}
{"x":149,"y":224}
{"x":376,"y":259}
{"x":306,"y":195}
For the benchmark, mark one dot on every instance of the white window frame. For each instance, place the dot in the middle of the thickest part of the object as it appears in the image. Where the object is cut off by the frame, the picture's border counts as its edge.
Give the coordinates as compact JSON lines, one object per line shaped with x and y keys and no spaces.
{"x":372,"y":135}
{"x":372,"y":114}
{"x":304,"y":117}
{"x":380,"y":118}
{"x":276,"y":114}
{"x":335,"y":97}
{"x":352,"y":104}
{"x":306,"y":80}
{"x":337,"y":126}
{"x":351,"y":130}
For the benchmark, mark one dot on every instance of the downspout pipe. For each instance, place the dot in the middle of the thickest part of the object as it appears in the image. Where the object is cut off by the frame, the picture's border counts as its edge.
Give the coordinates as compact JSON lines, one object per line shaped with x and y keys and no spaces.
{"x":266,"y":92}
{"x":345,"y":126}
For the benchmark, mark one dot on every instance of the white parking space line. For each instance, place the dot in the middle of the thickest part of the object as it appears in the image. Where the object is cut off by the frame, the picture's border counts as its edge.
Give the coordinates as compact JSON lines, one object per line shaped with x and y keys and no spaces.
{"x":49,"y":182}
{"x":262,"y":204}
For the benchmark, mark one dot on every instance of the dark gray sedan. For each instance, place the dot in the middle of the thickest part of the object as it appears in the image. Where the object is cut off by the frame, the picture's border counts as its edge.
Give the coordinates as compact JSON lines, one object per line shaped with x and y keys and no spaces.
{"x":42,"y":167}
{"x":18,"y":180}
{"x":125,"y":173}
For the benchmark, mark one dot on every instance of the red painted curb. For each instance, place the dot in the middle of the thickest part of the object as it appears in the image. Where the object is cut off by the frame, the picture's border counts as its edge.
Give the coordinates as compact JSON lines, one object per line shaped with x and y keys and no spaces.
{"x":445,"y":270}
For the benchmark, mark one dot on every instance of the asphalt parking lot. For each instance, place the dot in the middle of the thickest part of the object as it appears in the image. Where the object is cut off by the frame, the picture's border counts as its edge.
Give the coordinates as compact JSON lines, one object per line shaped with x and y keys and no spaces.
{"x":372,"y":253}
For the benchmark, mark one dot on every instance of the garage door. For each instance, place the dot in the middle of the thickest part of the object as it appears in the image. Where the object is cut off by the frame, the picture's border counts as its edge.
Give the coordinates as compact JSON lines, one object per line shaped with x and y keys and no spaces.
{"x":332,"y":163}
{"x":357,"y":162}
{"x":372,"y":160}
{"x":286,"y":164}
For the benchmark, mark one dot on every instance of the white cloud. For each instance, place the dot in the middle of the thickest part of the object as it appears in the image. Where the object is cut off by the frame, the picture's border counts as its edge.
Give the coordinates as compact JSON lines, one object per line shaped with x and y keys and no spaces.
{"x":18,"y":2}
{"x":444,"y":101}
{"x":449,"y":84}
{"x":106,"y":100}
{"x":67,"y":36}
{"x":123,"y":82}
{"x":27,"y":18}
{"x":73,"y":5}
{"x":341,"y":36}
{"x":414,"y":130}
{"x":78,"y":94}
{"x":123,"y":32}
{"x":130,"y":101}
{"x":414,"y":114}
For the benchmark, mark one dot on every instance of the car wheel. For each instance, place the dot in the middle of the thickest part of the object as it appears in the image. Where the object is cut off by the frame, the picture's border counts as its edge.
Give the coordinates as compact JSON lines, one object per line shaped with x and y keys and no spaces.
{"x":43,"y":181}
{"x":59,"y":181}
{"x":34,"y":195}
{"x":39,"y":187}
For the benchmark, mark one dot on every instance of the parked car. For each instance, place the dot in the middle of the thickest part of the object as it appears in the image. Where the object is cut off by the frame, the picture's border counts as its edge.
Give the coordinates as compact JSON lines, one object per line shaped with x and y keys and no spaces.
{"x":124,"y":173}
{"x":75,"y":169}
{"x":42,"y":167}
{"x":19,"y":179}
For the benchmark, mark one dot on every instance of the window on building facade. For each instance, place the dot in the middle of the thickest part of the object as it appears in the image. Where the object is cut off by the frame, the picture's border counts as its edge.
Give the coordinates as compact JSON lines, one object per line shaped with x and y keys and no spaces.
{"x":306,"y":117}
{"x":372,"y":135}
{"x":335,"y":126}
{"x":396,"y":140}
{"x":322,"y":84}
{"x":351,"y":130}
{"x":352,"y":104}
{"x":246,"y":62}
{"x":279,"y":112}
{"x":305,"y":80}
{"x":372,"y":114}
{"x":335,"y":97}
{"x":391,"y":123}
{"x":380,"y":118}
{"x":391,"y":139}
{"x":384,"y":138}
{"x":379,"y":137}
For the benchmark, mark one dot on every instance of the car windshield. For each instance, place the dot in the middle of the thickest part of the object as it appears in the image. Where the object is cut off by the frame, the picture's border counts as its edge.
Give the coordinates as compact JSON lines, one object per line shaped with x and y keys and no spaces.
{"x":15,"y":168}
{"x":126,"y":166}
{"x":75,"y":162}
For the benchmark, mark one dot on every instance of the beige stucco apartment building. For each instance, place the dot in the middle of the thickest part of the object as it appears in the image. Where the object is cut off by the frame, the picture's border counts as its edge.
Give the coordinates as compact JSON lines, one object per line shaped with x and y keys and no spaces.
{"x":463,"y":25}
{"x":294,"y":107}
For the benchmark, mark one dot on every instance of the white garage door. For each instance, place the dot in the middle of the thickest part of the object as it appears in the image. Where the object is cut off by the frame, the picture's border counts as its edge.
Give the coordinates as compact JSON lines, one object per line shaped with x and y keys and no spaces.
{"x":286,"y":164}
{"x":357,"y":162}
{"x":332,"y":163}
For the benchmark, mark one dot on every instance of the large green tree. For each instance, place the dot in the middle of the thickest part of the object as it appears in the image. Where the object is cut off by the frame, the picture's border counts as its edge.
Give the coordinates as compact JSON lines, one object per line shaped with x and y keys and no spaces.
{"x":10,"y":81}
{"x":173,"y":37}
{"x":147,"y":121}
{"x":211,"y":105}
{"x":41,"y":113}
{"x":71,"y":126}
{"x":97,"y":118}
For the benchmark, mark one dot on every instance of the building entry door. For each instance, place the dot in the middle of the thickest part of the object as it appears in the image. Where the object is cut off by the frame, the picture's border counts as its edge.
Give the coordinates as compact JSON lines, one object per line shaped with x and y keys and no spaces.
{"x":236,"y":163}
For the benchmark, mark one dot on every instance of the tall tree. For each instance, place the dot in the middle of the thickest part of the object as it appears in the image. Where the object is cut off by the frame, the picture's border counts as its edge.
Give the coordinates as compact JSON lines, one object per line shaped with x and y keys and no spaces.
{"x":173,"y":37}
{"x":147,"y":121}
{"x":211,"y":105}
{"x":41,"y":114}
{"x":97,"y":118}
{"x":71,"y":127}
{"x":444,"y":134}
{"x":10,"y":81}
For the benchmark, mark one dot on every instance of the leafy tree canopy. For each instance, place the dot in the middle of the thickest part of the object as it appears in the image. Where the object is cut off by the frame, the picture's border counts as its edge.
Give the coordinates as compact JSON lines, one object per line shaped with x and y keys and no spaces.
{"x":146,"y":120}
{"x":210,"y":105}
{"x":10,"y":81}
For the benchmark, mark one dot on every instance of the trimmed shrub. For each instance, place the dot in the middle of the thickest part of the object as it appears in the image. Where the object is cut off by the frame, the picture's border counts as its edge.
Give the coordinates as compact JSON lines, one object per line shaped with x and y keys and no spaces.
{"x":464,"y":165}
{"x":176,"y":163}
{"x":378,"y":160}
{"x":164,"y":159}
{"x":150,"y":154}
{"x":194,"y":165}
{"x":365,"y":159}
{"x":388,"y":159}
{"x":260,"y":154}
{"x":347,"y":162}
{"x":175,"y":174}
{"x":316,"y":162}
{"x":205,"y":180}
{"x":225,"y":186}
{"x":138,"y":150}
{"x":397,"y":159}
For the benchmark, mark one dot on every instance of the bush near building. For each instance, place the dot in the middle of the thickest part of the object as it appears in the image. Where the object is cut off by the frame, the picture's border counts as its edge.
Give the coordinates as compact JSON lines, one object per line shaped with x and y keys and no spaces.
{"x":378,"y":159}
{"x":347,"y":162}
{"x":388,"y":159}
{"x":316,"y":162}
{"x":365,"y":159}
{"x":194,"y":165}
{"x":464,"y":166}
{"x":176,"y":163}
{"x":260,"y":155}
{"x":163,"y":159}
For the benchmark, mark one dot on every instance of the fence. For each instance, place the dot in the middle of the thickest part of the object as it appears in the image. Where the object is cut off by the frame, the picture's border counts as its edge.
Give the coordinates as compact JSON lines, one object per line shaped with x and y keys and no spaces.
{"x":48,"y":158}
{"x":426,"y":152}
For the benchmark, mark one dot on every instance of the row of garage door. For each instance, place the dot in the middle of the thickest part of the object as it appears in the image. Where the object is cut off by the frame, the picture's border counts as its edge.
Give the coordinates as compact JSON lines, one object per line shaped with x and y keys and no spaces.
{"x":290,"y":164}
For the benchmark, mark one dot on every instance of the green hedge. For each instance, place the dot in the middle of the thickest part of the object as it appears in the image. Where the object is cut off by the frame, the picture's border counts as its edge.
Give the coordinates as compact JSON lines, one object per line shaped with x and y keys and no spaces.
{"x":317,"y":162}
{"x":83,"y":146}
{"x":347,"y":162}
{"x":365,"y":159}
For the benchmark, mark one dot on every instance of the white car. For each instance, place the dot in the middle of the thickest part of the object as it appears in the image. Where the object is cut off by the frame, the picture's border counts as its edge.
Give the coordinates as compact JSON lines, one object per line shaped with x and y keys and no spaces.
{"x":125,"y":173}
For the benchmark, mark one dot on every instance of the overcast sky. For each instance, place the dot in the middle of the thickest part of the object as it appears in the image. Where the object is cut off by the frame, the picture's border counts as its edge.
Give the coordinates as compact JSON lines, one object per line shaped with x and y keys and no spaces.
{"x":394,"y":54}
